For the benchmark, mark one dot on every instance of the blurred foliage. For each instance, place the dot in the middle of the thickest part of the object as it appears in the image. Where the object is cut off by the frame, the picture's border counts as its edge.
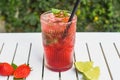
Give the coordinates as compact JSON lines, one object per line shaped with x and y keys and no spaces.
{"x":93,"y":15}
{"x":99,"y":15}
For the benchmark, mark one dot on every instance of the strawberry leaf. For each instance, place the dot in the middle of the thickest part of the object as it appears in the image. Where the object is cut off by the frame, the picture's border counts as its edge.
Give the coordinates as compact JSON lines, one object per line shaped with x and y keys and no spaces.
{"x":14,"y":66}
{"x":19,"y":79}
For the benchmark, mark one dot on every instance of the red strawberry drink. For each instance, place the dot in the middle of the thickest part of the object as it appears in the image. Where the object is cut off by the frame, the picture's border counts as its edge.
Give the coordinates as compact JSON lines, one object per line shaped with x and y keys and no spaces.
{"x":58,"y":50}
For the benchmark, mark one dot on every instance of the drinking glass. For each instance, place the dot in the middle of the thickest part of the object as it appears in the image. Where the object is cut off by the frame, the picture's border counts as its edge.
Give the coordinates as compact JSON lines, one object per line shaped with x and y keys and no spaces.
{"x":58,"y":51}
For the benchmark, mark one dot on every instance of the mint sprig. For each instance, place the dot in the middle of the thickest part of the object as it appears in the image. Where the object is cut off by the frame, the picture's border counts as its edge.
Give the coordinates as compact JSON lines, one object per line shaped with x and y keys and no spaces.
{"x":60,"y":13}
{"x":55,"y":11}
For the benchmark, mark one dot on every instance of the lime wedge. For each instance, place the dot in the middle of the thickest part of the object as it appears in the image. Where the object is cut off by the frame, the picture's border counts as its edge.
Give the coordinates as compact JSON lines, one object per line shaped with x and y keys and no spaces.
{"x":83,"y":66}
{"x":92,"y":74}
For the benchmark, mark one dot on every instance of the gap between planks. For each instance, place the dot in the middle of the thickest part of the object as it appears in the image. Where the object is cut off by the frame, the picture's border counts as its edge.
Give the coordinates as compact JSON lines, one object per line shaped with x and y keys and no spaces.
{"x":88,"y":52}
{"x":43,"y":65}
{"x":103,"y":56}
{"x":75,"y":68}
{"x":2,"y":48}
{"x":106,"y":61}
{"x":29,"y":53}
{"x":116,"y":50}
{"x":15,"y":55}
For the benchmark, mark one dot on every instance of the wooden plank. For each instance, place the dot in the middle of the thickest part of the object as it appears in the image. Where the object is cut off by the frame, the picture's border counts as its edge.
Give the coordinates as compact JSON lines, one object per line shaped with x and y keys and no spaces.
{"x":112,"y":59}
{"x":97,"y":58}
{"x":69,"y":74}
{"x":21,"y":55}
{"x":81,"y":54}
{"x":50,"y":75}
{"x":97,"y":36}
{"x":7,"y":55}
{"x":36,"y":61}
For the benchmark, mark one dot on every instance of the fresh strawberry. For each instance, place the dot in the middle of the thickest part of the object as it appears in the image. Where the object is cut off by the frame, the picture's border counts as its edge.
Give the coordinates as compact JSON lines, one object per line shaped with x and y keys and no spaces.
{"x":6,"y":69}
{"x":22,"y":71}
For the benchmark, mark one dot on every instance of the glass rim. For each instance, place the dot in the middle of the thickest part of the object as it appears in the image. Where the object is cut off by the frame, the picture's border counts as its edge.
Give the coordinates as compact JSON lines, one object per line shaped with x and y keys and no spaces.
{"x":43,"y":19}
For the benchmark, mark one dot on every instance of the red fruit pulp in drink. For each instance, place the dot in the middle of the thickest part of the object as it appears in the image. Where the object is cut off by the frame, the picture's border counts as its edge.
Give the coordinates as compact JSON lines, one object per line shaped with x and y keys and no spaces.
{"x":58,"y":51}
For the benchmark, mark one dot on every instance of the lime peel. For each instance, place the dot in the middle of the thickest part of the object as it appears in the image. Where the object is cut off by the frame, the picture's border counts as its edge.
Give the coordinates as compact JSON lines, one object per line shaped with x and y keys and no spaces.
{"x":88,"y":70}
{"x":93,"y":74}
{"x":83,"y":66}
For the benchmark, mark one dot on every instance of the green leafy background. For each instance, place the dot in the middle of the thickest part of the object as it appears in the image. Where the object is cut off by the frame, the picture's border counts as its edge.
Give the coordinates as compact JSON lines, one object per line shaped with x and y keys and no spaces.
{"x":93,"y":15}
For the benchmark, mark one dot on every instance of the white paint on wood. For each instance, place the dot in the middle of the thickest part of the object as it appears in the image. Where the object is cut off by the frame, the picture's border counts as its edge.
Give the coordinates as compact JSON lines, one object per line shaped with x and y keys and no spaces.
{"x":98,"y":59}
{"x":113,"y":59}
{"x":7,"y":55}
{"x":81,"y":53}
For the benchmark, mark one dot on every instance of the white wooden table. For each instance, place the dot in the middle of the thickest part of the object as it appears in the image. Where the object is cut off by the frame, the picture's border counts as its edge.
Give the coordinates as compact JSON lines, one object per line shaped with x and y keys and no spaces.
{"x":102,"y":48}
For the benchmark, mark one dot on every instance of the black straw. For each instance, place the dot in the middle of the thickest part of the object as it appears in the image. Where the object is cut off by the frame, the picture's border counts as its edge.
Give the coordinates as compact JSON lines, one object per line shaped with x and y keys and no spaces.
{"x":70,"y":19}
